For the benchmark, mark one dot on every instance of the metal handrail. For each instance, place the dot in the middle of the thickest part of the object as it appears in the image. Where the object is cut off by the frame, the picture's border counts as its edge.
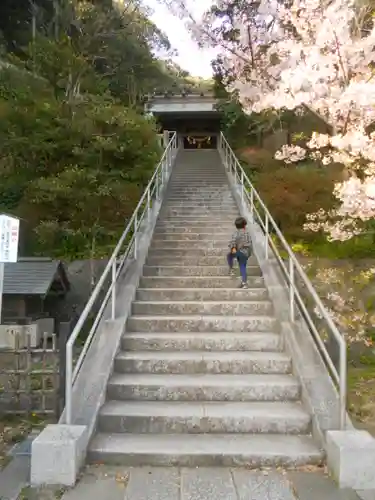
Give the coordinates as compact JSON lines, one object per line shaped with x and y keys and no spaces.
{"x":115,"y":265}
{"x":291,"y":271}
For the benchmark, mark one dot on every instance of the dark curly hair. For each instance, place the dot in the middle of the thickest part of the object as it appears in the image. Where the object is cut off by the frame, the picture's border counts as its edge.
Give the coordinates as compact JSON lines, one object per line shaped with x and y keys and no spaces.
{"x":240,"y":223}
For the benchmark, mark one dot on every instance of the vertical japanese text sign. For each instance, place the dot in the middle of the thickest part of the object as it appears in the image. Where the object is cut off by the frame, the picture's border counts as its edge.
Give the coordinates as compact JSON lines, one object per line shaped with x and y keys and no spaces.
{"x":9,"y":236}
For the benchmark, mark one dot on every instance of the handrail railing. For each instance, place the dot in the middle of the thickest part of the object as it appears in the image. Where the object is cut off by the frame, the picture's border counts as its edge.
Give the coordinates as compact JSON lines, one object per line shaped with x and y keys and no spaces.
{"x":129,"y":240}
{"x":292,"y":271}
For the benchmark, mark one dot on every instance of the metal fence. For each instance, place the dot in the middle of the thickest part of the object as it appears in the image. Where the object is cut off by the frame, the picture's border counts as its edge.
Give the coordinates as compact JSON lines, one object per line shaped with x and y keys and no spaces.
{"x":126,"y":249}
{"x":274,"y":246}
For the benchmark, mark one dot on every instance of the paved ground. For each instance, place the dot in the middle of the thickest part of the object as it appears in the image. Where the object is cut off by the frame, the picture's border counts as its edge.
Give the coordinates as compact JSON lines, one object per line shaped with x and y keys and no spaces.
{"x":144,"y":483}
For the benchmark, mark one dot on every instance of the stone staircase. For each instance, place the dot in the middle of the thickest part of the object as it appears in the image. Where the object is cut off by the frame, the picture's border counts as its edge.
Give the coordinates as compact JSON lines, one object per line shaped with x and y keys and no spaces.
{"x":201,"y":377}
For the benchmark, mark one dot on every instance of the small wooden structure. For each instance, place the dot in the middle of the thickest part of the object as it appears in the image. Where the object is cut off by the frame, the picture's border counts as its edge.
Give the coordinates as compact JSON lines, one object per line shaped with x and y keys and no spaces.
{"x":32,"y":286}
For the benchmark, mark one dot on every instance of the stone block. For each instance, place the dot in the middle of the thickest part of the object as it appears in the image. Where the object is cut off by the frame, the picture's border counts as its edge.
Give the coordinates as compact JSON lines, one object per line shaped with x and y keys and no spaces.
{"x":351,"y":458}
{"x":57,"y":454}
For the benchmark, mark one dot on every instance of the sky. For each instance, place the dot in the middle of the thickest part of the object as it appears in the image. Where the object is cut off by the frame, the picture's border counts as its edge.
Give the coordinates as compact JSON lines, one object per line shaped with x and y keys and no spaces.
{"x":190,"y":57}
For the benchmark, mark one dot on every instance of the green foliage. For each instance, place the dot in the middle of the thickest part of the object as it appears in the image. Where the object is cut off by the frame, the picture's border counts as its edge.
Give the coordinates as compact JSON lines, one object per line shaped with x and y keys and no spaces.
{"x":75,"y":171}
{"x":291,"y":193}
{"x":360,"y":247}
{"x":75,"y":151}
{"x":258,"y":161}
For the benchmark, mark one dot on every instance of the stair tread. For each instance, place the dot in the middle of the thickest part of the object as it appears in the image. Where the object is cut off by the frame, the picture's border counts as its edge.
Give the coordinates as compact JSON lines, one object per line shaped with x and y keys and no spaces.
{"x":203,"y":355}
{"x":192,"y":317}
{"x":201,"y":380}
{"x":270,"y":445}
{"x":201,"y":409}
{"x":200,"y":334}
{"x":244,"y":290}
{"x":205,"y":266}
{"x":228,"y":278}
{"x":213,"y":302}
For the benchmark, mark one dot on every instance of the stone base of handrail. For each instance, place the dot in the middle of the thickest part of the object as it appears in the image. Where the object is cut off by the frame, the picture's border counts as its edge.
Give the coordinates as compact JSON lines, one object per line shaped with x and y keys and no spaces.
{"x":58,"y":454}
{"x":351,"y":459}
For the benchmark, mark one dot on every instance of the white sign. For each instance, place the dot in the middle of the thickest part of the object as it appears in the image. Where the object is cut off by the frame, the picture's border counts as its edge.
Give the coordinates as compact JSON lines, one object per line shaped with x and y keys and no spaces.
{"x":9,"y":236}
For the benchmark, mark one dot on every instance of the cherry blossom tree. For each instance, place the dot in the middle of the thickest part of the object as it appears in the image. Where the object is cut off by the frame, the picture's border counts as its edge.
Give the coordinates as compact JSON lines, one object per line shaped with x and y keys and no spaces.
{"x":314,"y":55}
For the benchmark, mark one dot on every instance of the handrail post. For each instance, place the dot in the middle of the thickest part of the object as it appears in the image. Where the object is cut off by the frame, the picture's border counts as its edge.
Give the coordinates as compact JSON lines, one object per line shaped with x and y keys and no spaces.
{"x":252,"y":203}
{"x":68,"y":384}
{"x":157,"y":186}
{"x":113,"y":299}
{"x":135,"y":236}
{"x":266,"y":234}
{"x":343,"y":385}
{"x":148,"y":205}
{"x":242,"y":186}
{"x":291,"y":290}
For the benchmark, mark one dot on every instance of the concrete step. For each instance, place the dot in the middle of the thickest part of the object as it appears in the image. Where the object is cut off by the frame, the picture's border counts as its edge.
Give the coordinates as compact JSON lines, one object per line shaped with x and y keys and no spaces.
{"x":231,"y":308}
{"x":162,"y":243}
{"x":162,"y":228}
{"x":188,"y":362}
{"x":194,"y":226}
{"x":208,"y":220}
{"x":199,"y":208}
{"x":183,"y":270}
{"x":194,"y":203}
{"x":193,"y":261}
{"x":202,"y":183}
{"x":198,"y":189}
{"x":198,"y":282}
{"x":200,"y":387}
{"x":198,"y":199}
{"x":197,"y":417}
{"x":184,"y":219}
{"x":187,"y":450}
{"x":197,"y":196}
{"x":189,"y":205}
{"x":197,"y":252}
{"x":200,"y":211}
{"x":196,"y":294}
{"x":225,"y":236}
{"x":198,"y":341}
{"x":201,"y":189}
{"x":204,"y":323}
{"x":203,"y":178}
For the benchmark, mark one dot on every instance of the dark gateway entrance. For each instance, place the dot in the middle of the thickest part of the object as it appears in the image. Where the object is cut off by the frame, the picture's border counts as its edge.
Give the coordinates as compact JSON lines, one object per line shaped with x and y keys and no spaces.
{"x":198,"y":141}
{"x":198,"y":130}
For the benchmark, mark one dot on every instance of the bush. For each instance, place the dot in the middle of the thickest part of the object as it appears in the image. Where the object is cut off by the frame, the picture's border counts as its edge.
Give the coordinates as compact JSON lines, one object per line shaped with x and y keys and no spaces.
{"x":291,"y":193}
{"x":256,"y":160}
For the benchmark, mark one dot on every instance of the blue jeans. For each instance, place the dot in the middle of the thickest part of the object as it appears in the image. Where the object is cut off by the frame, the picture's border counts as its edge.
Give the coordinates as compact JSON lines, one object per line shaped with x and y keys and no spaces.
{"x":242,"y":262}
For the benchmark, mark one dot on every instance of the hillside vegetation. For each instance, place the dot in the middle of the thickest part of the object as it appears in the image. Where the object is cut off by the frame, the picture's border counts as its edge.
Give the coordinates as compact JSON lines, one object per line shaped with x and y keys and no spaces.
{"x":76,"y":151}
